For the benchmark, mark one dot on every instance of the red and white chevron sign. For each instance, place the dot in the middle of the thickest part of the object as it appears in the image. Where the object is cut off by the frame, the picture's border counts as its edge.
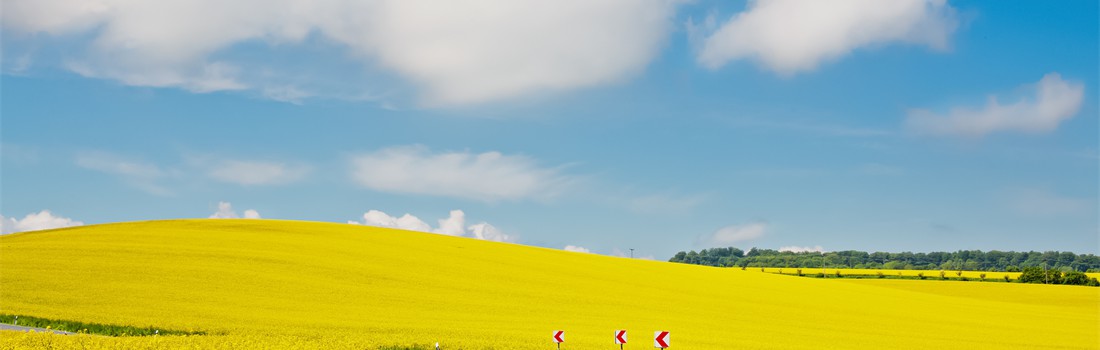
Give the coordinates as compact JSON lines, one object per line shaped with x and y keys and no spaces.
{"x":660,"y":339}
{"x":559,"y":336}
{"x":620,"y":336}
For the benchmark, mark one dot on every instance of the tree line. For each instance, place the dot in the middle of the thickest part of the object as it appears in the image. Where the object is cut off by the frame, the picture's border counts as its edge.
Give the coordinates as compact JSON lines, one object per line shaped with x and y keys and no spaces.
{"x":970,"y":260}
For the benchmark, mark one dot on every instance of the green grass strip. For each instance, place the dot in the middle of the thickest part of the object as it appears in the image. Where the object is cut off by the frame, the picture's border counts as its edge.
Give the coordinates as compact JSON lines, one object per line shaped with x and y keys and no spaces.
{"x":90,"y":328}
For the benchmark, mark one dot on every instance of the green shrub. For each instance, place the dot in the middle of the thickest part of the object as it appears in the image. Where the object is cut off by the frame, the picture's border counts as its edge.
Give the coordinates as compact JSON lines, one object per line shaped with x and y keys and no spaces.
{"x":1076,"y":278}
{"x":920,"y":275}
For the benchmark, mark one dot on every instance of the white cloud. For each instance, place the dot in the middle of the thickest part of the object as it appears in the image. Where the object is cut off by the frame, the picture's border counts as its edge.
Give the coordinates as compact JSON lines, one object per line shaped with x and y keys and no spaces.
{"x":144,"y":176}
{"x":489,"y":176}
{"x":789,"y":36}
{"x":573,"y":248}
{"x":406,"y":222}
{"x":43,"y":220}
{"x":225,"y":211}
{"x":1055,"y":100}
{"x":797,"y":249}
{"x":458,"y":51}
{"x":255,"y":173}
{"x":737,"y":233}
{"x":453,"y":225}
{"x":488,"y":232}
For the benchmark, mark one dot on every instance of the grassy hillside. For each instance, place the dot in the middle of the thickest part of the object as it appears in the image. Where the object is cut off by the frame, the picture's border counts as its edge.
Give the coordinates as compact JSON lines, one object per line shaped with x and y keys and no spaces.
{"x":284,"y":284}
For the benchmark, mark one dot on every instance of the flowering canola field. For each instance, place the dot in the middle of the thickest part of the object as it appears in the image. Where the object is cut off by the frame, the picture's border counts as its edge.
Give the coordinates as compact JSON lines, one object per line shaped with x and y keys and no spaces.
{"x":297,"y":285}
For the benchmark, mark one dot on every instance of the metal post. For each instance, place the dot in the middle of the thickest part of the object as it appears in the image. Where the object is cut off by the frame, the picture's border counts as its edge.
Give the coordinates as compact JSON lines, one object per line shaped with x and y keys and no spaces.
{"x":631,"y":256}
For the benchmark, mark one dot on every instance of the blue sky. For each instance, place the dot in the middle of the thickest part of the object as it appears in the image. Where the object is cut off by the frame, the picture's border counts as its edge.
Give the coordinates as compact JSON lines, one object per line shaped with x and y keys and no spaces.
{"x":600,"y":125}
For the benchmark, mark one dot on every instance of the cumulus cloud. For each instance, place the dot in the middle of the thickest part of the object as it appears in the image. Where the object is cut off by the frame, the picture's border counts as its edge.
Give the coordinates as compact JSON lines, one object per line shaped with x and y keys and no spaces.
{"x":797,"y":249}
{"x":737,"y":233}
{"x":459,"y":52}
{"x":489,"y":176}
{"x":43,"y":220}
{"x":1054,"y":101}
{"x":453,"y":225}
{"x":256,"y":173}
{"x":225,"y":211}
{"x":573,"y":248}
{"x":790,"y":36}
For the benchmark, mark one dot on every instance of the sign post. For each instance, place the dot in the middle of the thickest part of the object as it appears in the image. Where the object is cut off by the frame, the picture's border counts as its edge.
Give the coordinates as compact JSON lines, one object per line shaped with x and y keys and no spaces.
{"x":559,"y":337}
{"x":661,"y":339}
{"x":620,"y":338}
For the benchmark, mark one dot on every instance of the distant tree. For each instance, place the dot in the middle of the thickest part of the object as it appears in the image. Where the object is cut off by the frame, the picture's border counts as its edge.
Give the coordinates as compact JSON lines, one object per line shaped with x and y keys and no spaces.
{"x":894,"y":265}
{"x":1076,"y":278}
{"x":1032,"y":275}
{"x":972,"y":260}
{"x":1037,"y":275}
{"x":982,"y":276}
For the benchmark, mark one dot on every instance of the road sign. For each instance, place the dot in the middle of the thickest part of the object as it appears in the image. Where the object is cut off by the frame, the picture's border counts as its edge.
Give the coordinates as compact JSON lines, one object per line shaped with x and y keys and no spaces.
{"x":661,"y":340}
{"x":620,"y":336}
{"x":559,"y":336}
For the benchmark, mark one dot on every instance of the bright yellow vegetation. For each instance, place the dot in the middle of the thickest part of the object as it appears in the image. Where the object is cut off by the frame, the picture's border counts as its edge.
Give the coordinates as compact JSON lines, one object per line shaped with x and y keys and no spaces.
{"x":296,"y":285}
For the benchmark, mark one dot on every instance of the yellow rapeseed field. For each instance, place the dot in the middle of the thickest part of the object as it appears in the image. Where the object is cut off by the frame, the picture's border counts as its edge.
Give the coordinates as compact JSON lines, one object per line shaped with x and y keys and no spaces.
{"x":268,"y":284}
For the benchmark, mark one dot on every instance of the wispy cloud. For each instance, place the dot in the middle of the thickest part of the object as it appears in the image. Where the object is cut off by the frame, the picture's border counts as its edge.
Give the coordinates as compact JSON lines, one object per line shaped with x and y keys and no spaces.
{"x":142,"y":175}
{"x":457,"y":52}
{"x":791,"y":36}
{"x":1041,"y":202}
{"x":488,"y":176}
{"x":255,"y":173}
{"x":1054,"y":101}
{"x":811,"y":127}
{"x":736,"y":234}
{"x":666,"y":203}
{"x":160,"y":179}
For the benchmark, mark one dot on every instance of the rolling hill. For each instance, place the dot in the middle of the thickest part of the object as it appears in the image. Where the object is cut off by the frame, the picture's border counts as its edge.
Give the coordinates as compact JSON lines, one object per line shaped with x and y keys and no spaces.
{"x":288,"y":284}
